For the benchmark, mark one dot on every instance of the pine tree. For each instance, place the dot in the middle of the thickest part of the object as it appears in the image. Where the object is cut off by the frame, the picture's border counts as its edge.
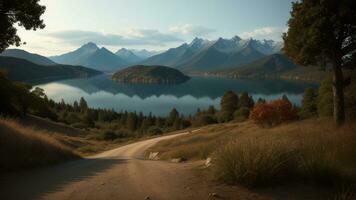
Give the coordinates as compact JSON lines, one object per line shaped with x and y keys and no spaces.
{"x":229,"y":104}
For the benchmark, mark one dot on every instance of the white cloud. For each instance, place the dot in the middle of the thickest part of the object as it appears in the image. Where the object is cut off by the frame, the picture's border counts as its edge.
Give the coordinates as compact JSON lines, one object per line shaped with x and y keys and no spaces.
{"x":274,"y":33}
{"x":129,"y":38}
{"x":191,"y":30}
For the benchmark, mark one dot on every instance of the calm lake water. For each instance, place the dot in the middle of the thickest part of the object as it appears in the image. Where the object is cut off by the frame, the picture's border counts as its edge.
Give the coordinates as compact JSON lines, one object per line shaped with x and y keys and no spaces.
{"x":199,"y":92}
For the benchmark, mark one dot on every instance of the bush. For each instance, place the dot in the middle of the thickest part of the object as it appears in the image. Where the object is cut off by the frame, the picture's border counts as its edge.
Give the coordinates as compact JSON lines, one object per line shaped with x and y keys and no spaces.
{"x":242,"y":113}
{"x":108,"y":135}
{"x":154,"y":130}
{"x":273,"y":113}
{"x":204,"y":119}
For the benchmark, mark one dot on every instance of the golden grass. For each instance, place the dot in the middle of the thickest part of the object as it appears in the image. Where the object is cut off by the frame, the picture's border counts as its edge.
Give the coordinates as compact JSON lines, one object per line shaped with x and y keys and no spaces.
{"x":312,"y":150}
{"x":23,"y":147}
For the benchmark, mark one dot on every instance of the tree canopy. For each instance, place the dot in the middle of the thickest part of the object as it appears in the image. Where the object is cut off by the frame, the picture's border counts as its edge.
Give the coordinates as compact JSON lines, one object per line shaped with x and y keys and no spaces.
{"x":323,"y":32}
{"x":25,"y":13}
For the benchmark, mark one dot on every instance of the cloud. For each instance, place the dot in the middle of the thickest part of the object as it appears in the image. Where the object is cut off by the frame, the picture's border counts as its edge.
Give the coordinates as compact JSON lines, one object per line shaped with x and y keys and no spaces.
{"x":274,"y":33}
{"x":130,"y":37}
{"x":192,"y":30}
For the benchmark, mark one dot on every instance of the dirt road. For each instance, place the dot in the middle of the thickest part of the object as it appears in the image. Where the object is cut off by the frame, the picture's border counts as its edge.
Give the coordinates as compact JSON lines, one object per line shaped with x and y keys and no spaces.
{"x":121,"y":173}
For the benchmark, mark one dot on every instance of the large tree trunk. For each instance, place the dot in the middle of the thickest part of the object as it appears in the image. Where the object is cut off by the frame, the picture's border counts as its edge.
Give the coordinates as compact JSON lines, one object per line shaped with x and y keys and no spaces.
{"x":338,"y":94}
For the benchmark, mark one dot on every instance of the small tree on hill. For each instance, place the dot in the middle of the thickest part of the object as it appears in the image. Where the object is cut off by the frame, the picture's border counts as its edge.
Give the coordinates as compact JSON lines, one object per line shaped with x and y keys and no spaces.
{"x":324,"y":32}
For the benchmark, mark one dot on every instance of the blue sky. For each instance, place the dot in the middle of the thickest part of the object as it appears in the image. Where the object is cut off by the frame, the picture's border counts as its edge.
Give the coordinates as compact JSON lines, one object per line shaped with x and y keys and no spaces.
{"x":153,"y":24}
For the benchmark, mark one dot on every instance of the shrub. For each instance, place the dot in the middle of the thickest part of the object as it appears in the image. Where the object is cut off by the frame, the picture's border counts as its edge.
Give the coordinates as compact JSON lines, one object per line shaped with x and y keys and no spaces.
{"x":242,"y":113}
{"x":108,"y":135}
{"x":204,"y":119}
{"x":273,"y":113}
{"x":154,"y":130}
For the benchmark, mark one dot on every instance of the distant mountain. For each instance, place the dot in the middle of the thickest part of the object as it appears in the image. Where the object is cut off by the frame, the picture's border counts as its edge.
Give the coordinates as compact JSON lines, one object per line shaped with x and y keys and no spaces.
{"x":143,"y":53}
{"x":35,"y":58}
{"x":150,"y":75}
{"x":274,"y":66}
{"x":128,"y":56}
{"x":23,"y":70}
{"x":268,"y":67}
{"x":204,"y":55}
{"x":90,"y":55}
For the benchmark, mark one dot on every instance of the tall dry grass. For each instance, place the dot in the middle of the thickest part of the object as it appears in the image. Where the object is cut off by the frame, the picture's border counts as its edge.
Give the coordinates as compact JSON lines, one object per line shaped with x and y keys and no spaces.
{"x":23,"y":147}
{"x":313,"y":150}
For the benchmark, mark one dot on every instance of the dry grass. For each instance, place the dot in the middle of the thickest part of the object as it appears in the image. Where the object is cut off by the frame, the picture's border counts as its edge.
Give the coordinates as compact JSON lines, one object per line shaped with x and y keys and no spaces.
{"x":22,"y":147}
{"x":311,"y":150}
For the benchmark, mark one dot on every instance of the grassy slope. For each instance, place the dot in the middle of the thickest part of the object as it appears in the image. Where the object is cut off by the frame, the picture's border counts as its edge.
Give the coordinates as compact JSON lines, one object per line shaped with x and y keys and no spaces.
{"x":32,"y":142}
{"x":247,"y":154}
{"x":22,"y":147}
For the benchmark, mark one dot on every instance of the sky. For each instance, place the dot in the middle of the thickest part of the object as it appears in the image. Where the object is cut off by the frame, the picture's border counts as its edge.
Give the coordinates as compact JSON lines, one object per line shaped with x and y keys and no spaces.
{"x":152,"y":24}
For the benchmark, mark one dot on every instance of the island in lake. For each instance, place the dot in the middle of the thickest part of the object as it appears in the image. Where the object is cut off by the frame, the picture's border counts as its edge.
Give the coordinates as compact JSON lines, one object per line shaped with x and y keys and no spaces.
{"x":150,"y":75}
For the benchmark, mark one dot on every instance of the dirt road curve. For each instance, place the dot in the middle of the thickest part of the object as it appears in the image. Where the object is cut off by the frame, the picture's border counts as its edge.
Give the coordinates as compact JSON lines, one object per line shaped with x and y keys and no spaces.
{"x":121,"y":173}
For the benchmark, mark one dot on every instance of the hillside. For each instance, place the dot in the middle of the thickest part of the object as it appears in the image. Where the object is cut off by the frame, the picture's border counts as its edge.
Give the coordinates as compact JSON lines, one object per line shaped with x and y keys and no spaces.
{"x":35,"y":58}
{"x":247,"y":155}
{"x":23,"y":70}
{"x":90,"y":55}
{"x":271,"y":67}
{"x":150,"y":75}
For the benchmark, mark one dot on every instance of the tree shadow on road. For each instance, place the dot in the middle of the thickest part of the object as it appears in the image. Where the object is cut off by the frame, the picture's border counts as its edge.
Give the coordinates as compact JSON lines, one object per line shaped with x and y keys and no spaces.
{"x":35,"y":184}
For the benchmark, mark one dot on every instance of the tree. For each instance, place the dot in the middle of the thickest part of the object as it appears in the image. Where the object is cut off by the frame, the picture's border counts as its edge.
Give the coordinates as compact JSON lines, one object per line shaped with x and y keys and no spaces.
{"x":245,"y":100}
{"x":228,"y":103}
{"x":24,"y":13}
{"x":309,"y":108}
{"x":324,"y":33}
{"x":83,"y":104}
{"x":173,"y":115}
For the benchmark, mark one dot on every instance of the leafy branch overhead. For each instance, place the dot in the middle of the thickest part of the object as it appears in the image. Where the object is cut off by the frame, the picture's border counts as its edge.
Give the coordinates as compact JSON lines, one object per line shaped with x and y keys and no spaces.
{"x":24,"y":13}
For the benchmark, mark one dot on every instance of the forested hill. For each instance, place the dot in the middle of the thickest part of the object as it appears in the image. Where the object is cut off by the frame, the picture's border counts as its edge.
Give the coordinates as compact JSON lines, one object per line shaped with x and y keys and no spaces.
{"x":23,"y":70}
{"x":150,"y":75}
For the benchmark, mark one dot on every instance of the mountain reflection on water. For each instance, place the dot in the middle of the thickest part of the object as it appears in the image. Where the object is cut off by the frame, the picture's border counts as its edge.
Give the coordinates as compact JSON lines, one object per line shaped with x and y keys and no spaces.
{"x":199,"y":92}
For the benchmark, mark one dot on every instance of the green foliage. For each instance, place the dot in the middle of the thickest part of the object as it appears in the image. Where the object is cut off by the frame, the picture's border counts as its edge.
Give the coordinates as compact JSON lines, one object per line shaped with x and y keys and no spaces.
{"x":325,"y":98}
{"x":309,"y":108}
{"x":22,"y":13}
{"x":245,"y":100}
{"x":321,"y":33}
{"x":229,"y":104}
{"x":242,"y":113}
{"x":173,"y":115}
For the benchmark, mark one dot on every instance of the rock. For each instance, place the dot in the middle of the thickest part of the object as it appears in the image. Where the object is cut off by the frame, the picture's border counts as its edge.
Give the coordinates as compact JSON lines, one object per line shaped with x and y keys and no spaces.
{"x":215,"y":195}
{"x":153,"y":156}
{"x":208,"y":162}
{"x":177,"y":160}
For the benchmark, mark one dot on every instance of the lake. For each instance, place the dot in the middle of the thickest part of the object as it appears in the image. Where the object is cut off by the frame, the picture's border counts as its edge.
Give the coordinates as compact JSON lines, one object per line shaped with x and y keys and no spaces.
{"x":199,"y":92}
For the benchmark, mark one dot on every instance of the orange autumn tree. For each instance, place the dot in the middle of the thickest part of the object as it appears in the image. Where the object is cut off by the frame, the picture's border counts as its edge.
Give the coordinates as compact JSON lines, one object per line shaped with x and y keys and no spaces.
{"x":273,"y":113}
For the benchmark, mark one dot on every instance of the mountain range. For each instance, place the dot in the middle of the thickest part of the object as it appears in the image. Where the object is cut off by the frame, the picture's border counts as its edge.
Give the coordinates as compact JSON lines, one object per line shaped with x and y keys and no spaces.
{"x":90,"y":55}
{"x":204,"y":55}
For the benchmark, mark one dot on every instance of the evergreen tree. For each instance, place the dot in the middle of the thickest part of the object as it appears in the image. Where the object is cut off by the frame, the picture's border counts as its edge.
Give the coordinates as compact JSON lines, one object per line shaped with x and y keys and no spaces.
{"x":245,"y":101}
{"x":173,"y":115}
{"x":83,"y":105}
{"x":229,"y":103}
{"x":308,"y":108}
